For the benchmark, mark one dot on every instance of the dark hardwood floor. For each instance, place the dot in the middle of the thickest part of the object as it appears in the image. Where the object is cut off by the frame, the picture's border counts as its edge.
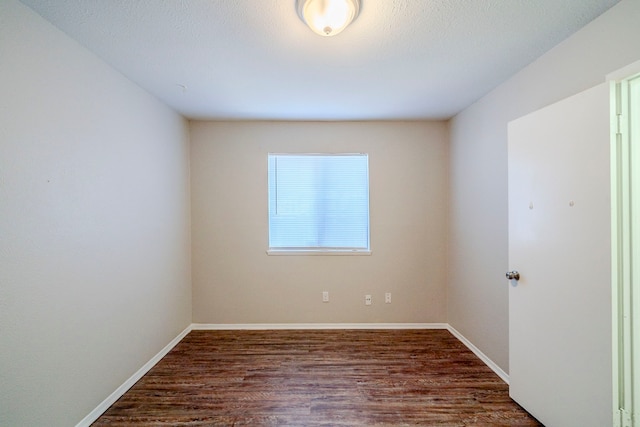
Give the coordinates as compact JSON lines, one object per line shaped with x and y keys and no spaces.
{"x":318,"y":377}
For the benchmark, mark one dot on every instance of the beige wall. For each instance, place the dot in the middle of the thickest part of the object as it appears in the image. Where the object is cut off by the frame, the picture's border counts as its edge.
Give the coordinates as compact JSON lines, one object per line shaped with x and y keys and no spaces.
{"x":477,"y":291}
{"x":234,"y":281}
{"x":94,"y":225}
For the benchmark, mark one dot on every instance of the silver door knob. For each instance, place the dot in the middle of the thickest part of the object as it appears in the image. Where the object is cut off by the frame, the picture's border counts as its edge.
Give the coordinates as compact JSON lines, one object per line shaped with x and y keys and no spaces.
{"x":513,"y":275}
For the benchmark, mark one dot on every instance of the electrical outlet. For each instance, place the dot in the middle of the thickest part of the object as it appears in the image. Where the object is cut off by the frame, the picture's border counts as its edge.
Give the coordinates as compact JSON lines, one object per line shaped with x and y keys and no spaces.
{"x":387,"y":298}
{"x":325,"y":296}
{"x":367,"y":300}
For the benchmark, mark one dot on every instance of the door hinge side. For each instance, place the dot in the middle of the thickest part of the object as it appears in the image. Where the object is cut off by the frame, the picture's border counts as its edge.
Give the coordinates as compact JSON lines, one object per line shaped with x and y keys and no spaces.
{"x":618,"y":124}
{"x":618,"y":107}
{"x":622,"y":418}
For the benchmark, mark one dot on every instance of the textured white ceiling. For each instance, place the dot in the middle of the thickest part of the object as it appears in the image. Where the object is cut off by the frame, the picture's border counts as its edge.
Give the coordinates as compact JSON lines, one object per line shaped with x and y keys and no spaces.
{"x":254,"y":59}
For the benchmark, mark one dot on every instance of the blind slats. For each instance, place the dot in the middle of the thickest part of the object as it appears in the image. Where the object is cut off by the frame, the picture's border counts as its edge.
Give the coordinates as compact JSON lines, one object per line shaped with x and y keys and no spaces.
{"x":318,"y":201}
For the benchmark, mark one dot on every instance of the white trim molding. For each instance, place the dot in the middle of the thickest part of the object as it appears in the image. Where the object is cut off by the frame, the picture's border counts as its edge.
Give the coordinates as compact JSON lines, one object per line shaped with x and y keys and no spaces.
{"x":113,"y":397}
{"x":487,"y":361}
{"x":625,"y":240}
{"x":284,"y":326}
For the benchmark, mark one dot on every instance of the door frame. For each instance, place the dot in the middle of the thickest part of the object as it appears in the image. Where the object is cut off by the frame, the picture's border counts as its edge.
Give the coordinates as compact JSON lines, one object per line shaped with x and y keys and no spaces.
{"x":625,"y":243}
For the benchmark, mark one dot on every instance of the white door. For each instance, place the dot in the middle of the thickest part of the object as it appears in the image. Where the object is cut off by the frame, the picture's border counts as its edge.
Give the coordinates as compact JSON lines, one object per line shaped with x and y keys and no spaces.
{"x":559,"y":242}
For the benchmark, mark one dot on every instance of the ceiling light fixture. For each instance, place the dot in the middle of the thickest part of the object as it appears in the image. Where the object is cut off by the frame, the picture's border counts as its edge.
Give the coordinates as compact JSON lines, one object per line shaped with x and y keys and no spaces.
{"x":328,"y":17}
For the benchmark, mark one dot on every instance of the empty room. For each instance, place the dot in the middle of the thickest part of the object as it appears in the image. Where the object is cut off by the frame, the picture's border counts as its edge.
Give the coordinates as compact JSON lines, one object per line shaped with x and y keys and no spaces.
{"x":315,"y":212}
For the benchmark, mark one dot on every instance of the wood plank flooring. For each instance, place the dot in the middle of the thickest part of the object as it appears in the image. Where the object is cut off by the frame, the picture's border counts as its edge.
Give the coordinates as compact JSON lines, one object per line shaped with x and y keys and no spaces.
{"x":318,"y":377}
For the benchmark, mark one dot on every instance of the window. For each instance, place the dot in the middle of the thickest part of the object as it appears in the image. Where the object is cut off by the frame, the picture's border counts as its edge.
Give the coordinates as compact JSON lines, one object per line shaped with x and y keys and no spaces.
{"x":318,"y":203}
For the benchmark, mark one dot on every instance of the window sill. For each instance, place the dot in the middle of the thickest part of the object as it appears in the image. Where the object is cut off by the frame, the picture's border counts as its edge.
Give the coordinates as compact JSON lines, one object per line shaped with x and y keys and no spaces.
{"x":314,"y":252}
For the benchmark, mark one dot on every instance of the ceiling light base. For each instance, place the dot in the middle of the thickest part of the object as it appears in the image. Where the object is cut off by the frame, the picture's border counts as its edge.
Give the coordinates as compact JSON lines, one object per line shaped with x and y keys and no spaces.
{"x":328,"y":17}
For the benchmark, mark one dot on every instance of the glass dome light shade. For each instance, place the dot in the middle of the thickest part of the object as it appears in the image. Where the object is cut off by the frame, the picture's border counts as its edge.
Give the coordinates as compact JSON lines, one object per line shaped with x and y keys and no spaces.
{"x":328,"y":17}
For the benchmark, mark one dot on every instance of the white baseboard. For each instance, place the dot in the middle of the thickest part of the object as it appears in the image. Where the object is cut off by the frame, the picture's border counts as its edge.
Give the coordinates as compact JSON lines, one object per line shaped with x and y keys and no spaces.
{"x":281,"y":326}
{"x":113,"y":397}
{"x":495,"y":368}
{"x":102,"y":407}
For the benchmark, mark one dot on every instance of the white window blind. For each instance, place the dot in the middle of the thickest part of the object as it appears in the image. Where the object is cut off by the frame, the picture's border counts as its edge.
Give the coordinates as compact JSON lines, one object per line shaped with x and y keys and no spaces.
{"x":318,"y":202}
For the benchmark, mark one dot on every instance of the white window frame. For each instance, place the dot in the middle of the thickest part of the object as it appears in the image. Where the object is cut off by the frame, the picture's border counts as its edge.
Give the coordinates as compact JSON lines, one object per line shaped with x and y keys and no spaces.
{"x":319,"y":250}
